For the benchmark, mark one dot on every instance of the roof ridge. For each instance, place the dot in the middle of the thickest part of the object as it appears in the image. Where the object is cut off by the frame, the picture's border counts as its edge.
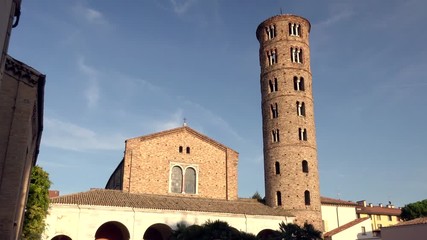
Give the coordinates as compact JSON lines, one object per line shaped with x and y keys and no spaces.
{"x":345,"y":226}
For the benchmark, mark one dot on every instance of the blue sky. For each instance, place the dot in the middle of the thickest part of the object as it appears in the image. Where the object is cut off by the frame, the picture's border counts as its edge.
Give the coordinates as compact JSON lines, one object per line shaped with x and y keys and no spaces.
{"x":122,"y":69}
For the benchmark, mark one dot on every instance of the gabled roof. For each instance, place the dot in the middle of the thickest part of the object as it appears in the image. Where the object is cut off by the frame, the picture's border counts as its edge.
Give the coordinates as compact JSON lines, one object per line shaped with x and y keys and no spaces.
{"x":333,"y":201}
{"x":344,"y":227}
{"x":377,"y":210}
{"x":116,"y":198}
{"x":416,"y":221}
{"x":180,"y":130}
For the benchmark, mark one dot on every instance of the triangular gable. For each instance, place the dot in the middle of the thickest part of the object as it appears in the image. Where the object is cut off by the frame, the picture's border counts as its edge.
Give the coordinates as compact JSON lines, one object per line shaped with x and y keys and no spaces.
{"x":183,"y":129}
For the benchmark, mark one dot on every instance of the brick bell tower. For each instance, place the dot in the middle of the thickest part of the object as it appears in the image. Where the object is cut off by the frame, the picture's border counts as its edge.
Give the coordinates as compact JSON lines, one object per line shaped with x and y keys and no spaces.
{"x":290,"y":152}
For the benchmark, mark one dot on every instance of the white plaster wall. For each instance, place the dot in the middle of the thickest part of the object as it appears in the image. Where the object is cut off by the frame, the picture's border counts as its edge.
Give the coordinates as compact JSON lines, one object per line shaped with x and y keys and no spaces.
{"x":412,"y":232}
{"x":82,"y":222}
{"x":335,"y":216}
{"x":355,"y":232}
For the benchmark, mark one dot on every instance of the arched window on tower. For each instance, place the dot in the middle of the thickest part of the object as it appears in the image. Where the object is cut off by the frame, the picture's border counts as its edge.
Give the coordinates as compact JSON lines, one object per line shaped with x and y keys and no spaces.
{"x":190,"y":180}
{"x":272,"y":57}
{"x":294,"y":29}
{"x":270,"y":31}
{"x":176,"y":180}
{"x":296,"y":55}
{"x":275,"y":135}
{"x":279,"y":198}
{"x":307,"y":198}
{"x":273,"y":85}
{"x":301,"y":108}
{"x":277,"y":167}
{"x":298,"y":83}
{"x":302,"y":134}
{"x":187,"y":150}
{"x":180,"y":149}
{"x":304,"y":166}
{"x":274,"y":110}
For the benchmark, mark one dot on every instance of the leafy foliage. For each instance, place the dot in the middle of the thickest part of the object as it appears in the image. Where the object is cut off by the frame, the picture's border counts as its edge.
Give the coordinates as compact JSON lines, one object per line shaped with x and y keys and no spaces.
{"x":37,"y":204}
{"x":414,"y":210}
{"x":210,"y":230}
{"x":223,"y":231}
{"x":293,"y":231}
{"x":258,"y":197}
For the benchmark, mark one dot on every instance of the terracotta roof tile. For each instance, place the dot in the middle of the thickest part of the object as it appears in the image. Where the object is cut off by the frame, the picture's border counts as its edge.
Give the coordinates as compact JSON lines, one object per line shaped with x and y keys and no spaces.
{"x":116,"y":198}
{"x":416,"y":221}
{"x":333,"y":201}
{"x":344,"y":227}
{"x":379,"y":210}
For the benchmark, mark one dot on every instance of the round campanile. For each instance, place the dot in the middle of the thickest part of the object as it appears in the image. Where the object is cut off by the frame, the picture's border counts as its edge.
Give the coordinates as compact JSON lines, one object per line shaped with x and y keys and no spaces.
{"x":289,"y":134}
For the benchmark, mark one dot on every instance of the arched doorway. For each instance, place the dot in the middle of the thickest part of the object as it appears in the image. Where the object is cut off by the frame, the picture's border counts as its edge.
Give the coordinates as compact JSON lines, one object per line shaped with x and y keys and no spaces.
{"x":112,"y":231}
{"x":266,"y":234}
{"x":158,"y":231}
{"x":61,"y":237}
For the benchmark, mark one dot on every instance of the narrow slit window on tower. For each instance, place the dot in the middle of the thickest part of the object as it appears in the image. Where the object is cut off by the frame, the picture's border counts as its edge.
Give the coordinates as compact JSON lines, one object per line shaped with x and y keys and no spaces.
{"x":270,"y":31}
{"x":294,"y":29}
{"x":307,"y":198}
{"x":187,"y":150}
{"x":274,"y":111}
{"x":304,"y":166}
{"x":301,"y":108}
{"x":180,"y":149}
{"x":302,"y":134}
{"x":279,"y":198}
{"x":298,"y":83}
{"x":273,"y":85}
{"x":275,"y":135}
{"x":277,"y":168}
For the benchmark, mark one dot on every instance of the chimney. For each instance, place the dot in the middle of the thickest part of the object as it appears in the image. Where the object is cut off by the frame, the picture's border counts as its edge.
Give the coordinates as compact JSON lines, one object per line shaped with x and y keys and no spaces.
{"x":371,"y":205}
{"x":361,"y":203}
{"x":381,"y":205}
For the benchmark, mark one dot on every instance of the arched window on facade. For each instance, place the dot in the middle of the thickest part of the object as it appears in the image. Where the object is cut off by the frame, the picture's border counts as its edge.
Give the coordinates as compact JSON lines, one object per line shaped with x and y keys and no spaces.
{"x":180,"y":149}
{"x":307,"y":197}
{"x":190,"y":180}
{"x":279,"y":198}
{"x":304,"y":166}
{"x":188,"y":150}
{"x":176,"y":180}
{"x":277,"y":167}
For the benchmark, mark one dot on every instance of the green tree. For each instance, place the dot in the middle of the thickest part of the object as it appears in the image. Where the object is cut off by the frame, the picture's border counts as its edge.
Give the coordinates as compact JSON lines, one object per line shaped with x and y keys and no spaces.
{"x":293,"y":231}
{"x":209,"y":231}
{"x":414,"y":210}
{"x":37,"y":204}
{"x":258,"y":197}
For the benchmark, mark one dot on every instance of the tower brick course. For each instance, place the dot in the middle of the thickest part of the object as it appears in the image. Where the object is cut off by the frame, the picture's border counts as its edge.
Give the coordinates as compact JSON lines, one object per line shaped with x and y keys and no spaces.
{"x":290,"y":151}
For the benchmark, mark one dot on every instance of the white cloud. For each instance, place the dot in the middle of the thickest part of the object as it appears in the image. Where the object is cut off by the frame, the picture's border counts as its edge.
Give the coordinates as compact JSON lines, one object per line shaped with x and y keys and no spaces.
{"x":174,"y":121}
{"x":90,"y":15}
{"x":182,"y":6}
{"x":211,"y":118}
{"x":92,"y":91}
{"x":335,"y":18}
{"x":69,"y":136}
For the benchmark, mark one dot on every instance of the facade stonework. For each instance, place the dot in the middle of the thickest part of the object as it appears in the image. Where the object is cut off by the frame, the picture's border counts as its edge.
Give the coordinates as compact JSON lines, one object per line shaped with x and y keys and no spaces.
{"x":21,"y":114}
{"x":148,"y":162}
{"x":290,"y":150}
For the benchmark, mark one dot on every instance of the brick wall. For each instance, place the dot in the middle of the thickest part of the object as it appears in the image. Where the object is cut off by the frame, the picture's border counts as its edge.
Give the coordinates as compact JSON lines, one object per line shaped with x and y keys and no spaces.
{"x":148,"y":161}
{"x":21,"y":114}
{"x":290,"y":182}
